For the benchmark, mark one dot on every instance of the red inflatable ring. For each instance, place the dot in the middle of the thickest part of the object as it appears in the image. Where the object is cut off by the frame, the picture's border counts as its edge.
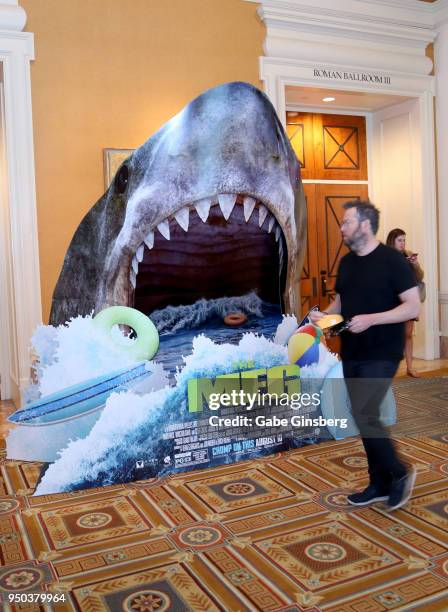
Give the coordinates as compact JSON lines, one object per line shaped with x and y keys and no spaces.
{"x":235,"y":318}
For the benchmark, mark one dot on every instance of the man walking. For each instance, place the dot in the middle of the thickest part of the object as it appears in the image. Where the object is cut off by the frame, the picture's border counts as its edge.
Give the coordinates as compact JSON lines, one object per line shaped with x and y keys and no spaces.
{"x":376,"y":291}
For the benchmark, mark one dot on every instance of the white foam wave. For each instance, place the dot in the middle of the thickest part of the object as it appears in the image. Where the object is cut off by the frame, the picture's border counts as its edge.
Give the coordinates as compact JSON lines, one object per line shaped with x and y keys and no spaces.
{"x":128,"y":423}
{"x":285,"y":329}
{"x":74,"y":352}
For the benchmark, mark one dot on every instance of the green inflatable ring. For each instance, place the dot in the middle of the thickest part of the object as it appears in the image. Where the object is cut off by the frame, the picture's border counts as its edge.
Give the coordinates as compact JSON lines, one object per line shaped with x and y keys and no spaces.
{"x":147,"y":342}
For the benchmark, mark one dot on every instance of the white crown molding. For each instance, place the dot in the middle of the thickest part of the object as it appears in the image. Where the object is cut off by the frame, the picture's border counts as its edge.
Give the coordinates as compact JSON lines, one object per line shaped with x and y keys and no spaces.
{"x":416,"y":6}
{"x":407,"y":13}
{"x":325,"y":31}
{"x":362,"y":28}
{"x":356,"y":11}
{"x":12,"y":16}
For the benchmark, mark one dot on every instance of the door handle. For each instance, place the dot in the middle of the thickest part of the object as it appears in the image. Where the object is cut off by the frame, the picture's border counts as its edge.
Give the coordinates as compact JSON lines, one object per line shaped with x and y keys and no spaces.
{"x":323,"y":285}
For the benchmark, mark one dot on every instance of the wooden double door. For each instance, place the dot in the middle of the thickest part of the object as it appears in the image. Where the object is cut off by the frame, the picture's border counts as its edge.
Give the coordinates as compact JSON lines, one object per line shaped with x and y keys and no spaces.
{"x":325,"y":246}
{"x":331,"y":150}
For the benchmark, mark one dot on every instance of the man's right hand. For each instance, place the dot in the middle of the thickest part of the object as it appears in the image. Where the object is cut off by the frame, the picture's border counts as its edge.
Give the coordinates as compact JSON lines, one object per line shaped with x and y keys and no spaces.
{"x":316,"y":315}
{"x":333,"y":308}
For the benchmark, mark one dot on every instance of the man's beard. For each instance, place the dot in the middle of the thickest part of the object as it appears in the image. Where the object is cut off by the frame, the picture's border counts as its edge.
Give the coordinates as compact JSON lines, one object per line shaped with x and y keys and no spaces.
{"x":357,"y":240}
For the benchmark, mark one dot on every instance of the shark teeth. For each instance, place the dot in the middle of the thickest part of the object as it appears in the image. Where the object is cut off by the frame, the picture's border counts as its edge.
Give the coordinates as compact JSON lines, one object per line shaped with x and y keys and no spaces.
{"x":139,"y":253}
{"x":149,"y":240}
{"x":182,"y":217}
{"x":262,"y":214}
{"x":164,"y":229}
{"x":203,"y":208}
{"x":226,"y":203}
{"x":249,"y":205}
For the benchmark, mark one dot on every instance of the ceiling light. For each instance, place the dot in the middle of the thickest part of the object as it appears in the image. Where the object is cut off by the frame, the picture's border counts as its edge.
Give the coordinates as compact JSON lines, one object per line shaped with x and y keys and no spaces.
{"x":329,"y":99}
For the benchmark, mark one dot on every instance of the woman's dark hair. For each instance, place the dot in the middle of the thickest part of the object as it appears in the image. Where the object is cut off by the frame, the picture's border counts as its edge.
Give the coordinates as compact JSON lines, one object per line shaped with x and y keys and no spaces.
{"x":392,"y":235}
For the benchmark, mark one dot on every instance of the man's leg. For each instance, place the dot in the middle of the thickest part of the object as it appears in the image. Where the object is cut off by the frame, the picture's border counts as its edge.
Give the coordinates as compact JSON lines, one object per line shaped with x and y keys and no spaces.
{"x":367,"y":384}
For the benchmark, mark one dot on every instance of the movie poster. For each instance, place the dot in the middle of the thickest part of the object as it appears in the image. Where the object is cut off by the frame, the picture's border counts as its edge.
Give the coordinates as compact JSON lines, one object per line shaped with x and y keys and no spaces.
{"x":173,"y":341}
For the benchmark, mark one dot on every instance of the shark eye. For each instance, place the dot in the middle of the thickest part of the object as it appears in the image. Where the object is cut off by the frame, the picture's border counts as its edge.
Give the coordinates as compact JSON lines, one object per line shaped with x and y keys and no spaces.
{"x":121,"y":179}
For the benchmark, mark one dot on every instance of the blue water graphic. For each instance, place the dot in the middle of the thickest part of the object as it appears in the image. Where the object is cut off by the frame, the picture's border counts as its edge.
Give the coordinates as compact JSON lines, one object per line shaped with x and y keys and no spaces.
{"x":175,"y":345}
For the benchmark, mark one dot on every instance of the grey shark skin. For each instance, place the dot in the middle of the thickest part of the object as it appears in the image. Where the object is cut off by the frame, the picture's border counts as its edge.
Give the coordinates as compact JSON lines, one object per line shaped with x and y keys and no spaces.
{"x":228,"y":140}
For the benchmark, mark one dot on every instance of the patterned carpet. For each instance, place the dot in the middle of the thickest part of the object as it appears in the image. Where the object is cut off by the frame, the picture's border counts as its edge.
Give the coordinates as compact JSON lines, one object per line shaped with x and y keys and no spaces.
{"x":272,"y":534}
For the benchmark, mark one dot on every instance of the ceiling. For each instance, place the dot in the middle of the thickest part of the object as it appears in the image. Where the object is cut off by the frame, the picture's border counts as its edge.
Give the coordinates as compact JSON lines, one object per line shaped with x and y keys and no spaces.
{"x":302,"y":97}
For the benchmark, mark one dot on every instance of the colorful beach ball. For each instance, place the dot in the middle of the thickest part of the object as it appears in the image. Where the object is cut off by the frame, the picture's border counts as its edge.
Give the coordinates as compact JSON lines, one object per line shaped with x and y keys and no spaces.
{"x":303,"y":346}
{"x":310,"y":329}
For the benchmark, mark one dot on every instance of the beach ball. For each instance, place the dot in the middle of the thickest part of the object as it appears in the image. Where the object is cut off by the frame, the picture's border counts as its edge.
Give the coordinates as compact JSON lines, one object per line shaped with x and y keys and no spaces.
{"x":312,"y":330}
{"x":303,"y":348}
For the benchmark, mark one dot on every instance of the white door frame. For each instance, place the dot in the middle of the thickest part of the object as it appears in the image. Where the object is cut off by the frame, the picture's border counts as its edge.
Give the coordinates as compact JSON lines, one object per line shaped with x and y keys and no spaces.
{"x":20,"y":295}
{"x":278,"y":73}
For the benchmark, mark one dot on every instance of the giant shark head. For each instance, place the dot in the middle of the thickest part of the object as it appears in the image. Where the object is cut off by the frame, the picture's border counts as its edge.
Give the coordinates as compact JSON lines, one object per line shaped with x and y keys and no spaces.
{"x":211,"y":205}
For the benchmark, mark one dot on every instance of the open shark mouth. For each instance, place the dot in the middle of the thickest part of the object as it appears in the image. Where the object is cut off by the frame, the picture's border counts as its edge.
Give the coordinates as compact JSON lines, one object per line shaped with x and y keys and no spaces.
{"x":224,"y":246}
{"x":210,"y":206}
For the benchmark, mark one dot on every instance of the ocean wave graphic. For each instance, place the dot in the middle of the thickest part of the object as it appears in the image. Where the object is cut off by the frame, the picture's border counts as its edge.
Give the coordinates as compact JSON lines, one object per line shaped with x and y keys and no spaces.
{"x":175,"y":318}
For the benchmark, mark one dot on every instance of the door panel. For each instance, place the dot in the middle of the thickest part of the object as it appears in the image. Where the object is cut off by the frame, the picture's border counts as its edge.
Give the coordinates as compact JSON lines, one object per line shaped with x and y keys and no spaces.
{"x":299,"y":128}
{"x":331,"y":147}
{"x":340,"y":151}
{"x":309,"y":279}
{"x":329,"y":212}
{"x":324,"y":245}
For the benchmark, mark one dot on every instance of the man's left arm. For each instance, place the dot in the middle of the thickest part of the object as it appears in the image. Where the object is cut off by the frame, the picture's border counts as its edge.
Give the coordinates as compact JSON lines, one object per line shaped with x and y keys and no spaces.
{"x":407,"y":310}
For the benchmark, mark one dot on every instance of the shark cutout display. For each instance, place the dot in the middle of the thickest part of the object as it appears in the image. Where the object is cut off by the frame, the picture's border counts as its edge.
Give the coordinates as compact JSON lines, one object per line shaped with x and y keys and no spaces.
{"x":206,"y":218}
{"x":211,"y":205}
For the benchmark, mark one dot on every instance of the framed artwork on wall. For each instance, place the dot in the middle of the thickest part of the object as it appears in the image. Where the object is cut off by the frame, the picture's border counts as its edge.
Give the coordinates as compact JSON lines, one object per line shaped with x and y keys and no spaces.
{"x":112,"y":159}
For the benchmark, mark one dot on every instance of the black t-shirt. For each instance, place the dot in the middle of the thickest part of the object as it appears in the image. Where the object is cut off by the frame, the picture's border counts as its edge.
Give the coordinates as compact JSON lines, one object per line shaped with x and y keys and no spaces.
{"x":367,"y":284}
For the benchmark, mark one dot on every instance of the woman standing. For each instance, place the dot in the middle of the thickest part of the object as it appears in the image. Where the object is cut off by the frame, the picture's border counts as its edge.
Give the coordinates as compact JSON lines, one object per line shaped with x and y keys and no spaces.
{"x":397,"y":240}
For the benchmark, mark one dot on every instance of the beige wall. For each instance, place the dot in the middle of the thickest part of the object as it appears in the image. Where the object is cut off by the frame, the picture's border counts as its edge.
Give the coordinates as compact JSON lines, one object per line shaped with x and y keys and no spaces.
{"x":109,"y":73}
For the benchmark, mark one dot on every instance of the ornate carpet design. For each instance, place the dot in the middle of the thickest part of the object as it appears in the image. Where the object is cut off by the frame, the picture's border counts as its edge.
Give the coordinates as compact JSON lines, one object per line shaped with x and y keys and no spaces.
{"x":273,"y":534}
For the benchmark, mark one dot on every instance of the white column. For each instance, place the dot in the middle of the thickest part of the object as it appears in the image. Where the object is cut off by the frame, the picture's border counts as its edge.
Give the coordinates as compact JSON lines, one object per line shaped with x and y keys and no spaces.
{"x":430,"y":313}
{"x":441,"y":65}
{"x":20,"y":296}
